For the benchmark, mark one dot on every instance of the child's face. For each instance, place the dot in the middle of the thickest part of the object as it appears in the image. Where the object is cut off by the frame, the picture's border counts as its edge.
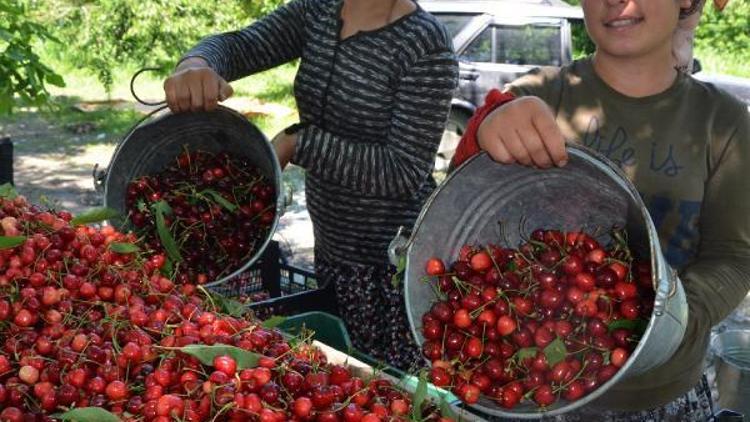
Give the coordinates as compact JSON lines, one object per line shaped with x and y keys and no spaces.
{"x":632,"y":28}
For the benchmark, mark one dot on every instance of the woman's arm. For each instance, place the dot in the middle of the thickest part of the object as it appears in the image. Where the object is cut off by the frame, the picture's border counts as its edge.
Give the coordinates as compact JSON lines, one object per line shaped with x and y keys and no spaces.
{"x":199,"y":81}
{"x":273,"y":40}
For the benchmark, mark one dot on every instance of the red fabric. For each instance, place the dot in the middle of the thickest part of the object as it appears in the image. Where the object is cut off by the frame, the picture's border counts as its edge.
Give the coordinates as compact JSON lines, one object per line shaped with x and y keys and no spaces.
{"x":468,"y":146}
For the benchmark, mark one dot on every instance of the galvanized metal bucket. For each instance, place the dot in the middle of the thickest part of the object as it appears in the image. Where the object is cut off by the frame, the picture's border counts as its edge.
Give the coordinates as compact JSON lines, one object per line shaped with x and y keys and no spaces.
{"x":155,"y":142}
{"x":732,"y":353}
{"x":589,"y":193}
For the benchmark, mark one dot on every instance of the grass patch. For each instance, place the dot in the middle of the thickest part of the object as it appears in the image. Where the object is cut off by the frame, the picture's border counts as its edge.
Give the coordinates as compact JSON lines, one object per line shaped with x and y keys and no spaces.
{"x":711,"y":62}
{"x":272,"y":86}
{"x":61,"y":126}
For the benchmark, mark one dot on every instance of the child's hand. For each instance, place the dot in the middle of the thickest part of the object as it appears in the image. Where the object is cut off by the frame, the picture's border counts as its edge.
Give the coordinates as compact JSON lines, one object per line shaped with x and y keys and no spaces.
{"x":524,"y":131}
{"x":194,"y":86}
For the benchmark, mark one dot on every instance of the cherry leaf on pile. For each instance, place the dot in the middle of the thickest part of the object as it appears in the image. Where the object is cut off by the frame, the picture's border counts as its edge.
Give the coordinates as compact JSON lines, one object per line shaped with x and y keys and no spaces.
{"x":161,"y":208}
{"x":273,"y":322}
{"x":555,"y":352}
{"x":10,"y":242}
{"x":87,"y":414}
{"x":420,"y":394}
{"x":94,"y":215}
{"x":206,"y":354}
{"x":221,"y":200}
{"x":526,"y":353}
{"x":637,"y":326}
{"x":231,"y":306}
{"x":123,"y":248}
{"x":445,"y":408}
{"x":7,"y":191}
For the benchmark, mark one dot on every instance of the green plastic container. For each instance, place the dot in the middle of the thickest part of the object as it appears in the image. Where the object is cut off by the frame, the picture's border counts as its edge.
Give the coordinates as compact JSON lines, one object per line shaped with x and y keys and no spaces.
{"x":330,"y":329}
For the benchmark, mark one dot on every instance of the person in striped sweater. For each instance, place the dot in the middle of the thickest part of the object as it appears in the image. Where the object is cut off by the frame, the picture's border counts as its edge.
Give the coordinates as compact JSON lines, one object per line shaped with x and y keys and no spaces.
{"x":373,"y":90}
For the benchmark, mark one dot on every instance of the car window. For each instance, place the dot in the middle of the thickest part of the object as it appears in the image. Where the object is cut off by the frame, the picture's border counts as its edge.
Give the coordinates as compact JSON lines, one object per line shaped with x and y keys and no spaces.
{"x":480,"y":48}
{"x":528,"y":45}
{"x":454,"y":22}
{"x":523,"y":45}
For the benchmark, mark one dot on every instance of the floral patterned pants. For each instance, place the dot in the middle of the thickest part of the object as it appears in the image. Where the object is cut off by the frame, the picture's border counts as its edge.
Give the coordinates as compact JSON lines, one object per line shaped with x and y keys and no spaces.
{"x":373,"y":310}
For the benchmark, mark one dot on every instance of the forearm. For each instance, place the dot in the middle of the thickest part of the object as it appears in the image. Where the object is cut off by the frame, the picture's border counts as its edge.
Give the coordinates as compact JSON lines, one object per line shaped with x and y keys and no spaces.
{"x":716,"y":286}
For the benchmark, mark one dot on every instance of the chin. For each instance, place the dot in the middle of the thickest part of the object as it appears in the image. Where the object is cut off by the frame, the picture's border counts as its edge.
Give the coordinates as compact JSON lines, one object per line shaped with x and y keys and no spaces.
{"x":621,"y":50}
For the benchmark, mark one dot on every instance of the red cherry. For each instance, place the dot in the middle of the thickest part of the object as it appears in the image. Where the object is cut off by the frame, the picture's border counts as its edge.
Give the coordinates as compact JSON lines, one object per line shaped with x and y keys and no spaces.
{"x":544,"y":396}
{"x":225,"y":364}
{"x":506,"y":325}
{"x":585,"y":281}
{"x":574,"y":391}
{"x":481,"y":261}
{"x":619,"y":356}
{"x":461,"y":318}
{"x":116,"y":390}
{"x":302,"y":407}
{"x":434,"y":267}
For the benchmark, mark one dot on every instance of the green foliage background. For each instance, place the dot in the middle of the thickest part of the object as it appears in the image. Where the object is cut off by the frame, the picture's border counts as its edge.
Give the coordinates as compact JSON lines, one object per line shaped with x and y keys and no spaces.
{"x":22,"y":72}
{"x":104,"y":35}
{"x":101,"y":37}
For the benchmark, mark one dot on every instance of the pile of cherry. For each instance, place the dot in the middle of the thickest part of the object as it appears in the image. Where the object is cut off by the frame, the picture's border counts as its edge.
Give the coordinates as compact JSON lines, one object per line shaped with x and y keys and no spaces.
{"x":89,"y":327}
{"x":207,"y":212}
{"x":555,"y":318}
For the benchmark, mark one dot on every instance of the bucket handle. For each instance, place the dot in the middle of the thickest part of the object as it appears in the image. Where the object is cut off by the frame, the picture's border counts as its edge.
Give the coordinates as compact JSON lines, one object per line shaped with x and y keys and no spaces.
{"x":132,"y":86}
{"x":398,"y":246}
{"x":100,"y":176}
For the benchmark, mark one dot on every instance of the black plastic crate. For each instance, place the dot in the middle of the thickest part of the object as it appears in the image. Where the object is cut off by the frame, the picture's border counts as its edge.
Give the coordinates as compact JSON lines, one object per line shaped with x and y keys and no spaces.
{"x":6,"y":161}
{"x":277,"y":288}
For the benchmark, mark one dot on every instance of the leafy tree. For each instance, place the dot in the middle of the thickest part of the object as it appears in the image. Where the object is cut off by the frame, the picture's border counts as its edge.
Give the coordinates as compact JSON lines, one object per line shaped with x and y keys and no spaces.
{"x":104,"y":35}
{"x":21,"y":71}
{"x":727,"y":31}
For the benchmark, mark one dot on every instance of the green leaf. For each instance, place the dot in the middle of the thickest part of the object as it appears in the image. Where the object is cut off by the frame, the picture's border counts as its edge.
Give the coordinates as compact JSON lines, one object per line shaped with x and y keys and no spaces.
{"x":7,"y":191}
{"x":55,"y":79}
{"x":221,"y":200}
{"x":526,"y":353}
{"x":95,"y":215}
{"x":230,"y":306}
{"x":637,"y":326}
{"x":401,"y":264}
{"x":420,"y":394}
{"x":445,"y":408}
{"x":123,"y":248}
{"x":87,"y":414}
{"x":273,"y":322}
{"x":206,"y":354}
{"x":167,"y":241}
{"x":10,"y":242}
{"x":400,"y":268}
{"x":555,"y":352}
{"x":168,"y":268}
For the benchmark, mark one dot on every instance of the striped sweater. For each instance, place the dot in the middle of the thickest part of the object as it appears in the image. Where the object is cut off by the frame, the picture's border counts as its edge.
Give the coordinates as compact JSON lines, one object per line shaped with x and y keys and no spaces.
{"x":373,"y":107}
